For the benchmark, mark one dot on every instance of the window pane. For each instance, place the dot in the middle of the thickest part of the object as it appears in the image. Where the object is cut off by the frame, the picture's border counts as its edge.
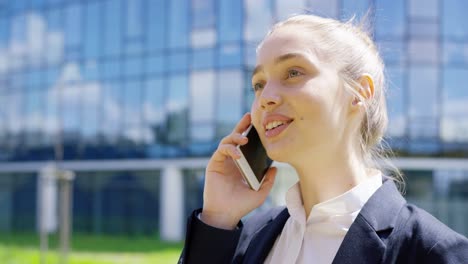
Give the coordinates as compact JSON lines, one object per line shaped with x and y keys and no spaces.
{"x":69,"y":109}
{"x":178,"y":24}
{"x":157,"y":18}
{"x":112,"y":27}
{"x":92,"y":30}
{"x":390,"y":18}
{"x":455,"y":53}
{"x":132,"y":102}
{"x":325,"y":8}
{"x":395,"y":101}
{"x":177,"y":105}
{"x":202,"y":59}
{"x":202,"y":96}
{"x":424,"y":29}
{"x":90,"y":107}
{"x":285,"y":9}
{"x":156,"y":64}
{"x":454,"y":19}
{"x":229,"y":101}
{"x":258,"y":19}
{"x":203,"y":14}
{"x":424,"y":8}
{"x":229,"y":20}
{"x":455,"y":110}
{"x":134,"y":10}
{"x":230,"y":55}
{"x":111,"y":69}
{"x":423,"y":51}
{"x":112,"y":106}
{"x":423,"y":88}
{"x":133,"y":67}
{"x":178,"y":61}
{"x":154,"y":112}
{"x":352,"y":8}
{"x":73,"y":25}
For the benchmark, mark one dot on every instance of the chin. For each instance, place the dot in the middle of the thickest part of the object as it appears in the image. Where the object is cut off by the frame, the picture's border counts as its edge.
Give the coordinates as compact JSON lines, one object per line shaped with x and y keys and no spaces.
{"x":278,"y":154}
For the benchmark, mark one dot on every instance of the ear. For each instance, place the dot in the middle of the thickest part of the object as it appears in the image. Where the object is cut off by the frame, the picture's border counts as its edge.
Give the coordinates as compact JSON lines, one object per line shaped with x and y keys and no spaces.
{"x":367,"y":86}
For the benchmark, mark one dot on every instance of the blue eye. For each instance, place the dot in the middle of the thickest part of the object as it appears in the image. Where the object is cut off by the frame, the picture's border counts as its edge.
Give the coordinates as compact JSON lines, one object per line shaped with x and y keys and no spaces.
{"x":293,"y":73}
{"x":257,"y":86}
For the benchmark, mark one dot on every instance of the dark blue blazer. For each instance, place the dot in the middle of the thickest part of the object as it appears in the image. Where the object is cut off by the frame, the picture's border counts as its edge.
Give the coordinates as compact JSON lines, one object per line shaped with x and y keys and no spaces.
{"x":387,"y":230}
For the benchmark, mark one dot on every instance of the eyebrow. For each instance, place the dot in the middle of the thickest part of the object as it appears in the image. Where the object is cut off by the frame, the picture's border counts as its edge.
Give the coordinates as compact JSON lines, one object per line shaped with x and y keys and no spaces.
{"x":280,"y":59}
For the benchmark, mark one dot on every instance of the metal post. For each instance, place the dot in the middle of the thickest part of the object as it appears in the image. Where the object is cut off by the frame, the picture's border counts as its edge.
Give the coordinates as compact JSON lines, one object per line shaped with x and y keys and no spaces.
{"x":66,"y":201}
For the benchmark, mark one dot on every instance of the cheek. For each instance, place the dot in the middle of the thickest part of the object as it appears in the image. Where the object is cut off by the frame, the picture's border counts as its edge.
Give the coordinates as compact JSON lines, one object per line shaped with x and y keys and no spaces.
{"x":255,"y":111}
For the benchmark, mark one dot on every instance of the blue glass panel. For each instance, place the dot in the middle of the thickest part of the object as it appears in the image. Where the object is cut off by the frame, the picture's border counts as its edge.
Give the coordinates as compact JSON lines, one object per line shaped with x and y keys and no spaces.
{"x":90,"y":70}
{"x":177,"y":106}
{"x":134,"y":47}
{"x":37,"y":3}
{"x":202,"y":13}
{"x":5,"y":32}
{"x":178,"y":24}
{"x":397,"y":111}
{"x":157,"y":22}
{"x":111,"y":69}
{"x":133,"y":67}
{"x":423,"y":91}
{"x":455,"y":53}
{"x":70,"y":109}
{"x":52,"y":74}
{"x":154,"y":113}
{"x":90,"y":106}
{"x":392,"y":52}
{"x":54,"y":19}
{"x":178,"y":61}
{"x":390,"y":18}
{"x":230,"y":55}
{"x":455,"y":101}
{"x":156,"y":64}
{"x":202,"y":58}
{"x":229,"y":96}
{"x":92,"y":30}
{"x":112,"y":27}
{"x":112,"y":105}
{"x":352,"y":8}
{"x":424,"y":8}
{"x":73,"y":24}
{"x":230,"y":21}
{"x":202,"y":132}
{"x":134,"y":17}
{"x":133,"y":97}
{"x":454,"y":19}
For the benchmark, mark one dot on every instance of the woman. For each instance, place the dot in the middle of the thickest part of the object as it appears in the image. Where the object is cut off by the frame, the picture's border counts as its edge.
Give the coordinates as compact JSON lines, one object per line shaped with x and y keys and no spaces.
{"x":319,"y":106}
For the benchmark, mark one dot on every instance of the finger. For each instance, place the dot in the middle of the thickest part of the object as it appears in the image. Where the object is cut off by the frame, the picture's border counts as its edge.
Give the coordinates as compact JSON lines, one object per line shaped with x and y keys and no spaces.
{"x":243,"y":124}
{"x":224,"y":151}
{"x":234,"y":138}
{"x":269,"y":181}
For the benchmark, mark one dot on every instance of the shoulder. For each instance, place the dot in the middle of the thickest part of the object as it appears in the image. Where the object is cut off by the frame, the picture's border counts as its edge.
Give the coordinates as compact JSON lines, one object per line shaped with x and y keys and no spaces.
{"x":422,"y":236}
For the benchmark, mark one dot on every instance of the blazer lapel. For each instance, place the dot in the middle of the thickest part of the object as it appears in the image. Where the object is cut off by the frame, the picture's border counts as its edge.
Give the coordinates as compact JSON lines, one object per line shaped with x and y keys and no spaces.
{"x":263,"y":241}
{"x":365,"y":240}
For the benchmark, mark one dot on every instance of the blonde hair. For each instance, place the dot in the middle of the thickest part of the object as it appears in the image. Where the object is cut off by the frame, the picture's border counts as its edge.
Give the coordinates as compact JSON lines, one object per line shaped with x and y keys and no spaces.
{"x":354,"y":53}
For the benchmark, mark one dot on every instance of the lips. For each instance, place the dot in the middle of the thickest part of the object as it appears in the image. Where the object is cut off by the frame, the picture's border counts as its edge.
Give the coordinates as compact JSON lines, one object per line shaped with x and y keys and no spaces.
{"x":274,"y":124}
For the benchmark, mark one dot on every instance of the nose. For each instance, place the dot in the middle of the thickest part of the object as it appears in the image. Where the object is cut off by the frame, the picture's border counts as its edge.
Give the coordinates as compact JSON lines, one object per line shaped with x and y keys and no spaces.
{"x":269,"y":98}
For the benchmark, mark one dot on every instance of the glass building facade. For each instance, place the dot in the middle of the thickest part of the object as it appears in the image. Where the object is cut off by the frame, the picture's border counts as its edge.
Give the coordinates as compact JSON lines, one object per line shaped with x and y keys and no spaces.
{"x":154,"y":80}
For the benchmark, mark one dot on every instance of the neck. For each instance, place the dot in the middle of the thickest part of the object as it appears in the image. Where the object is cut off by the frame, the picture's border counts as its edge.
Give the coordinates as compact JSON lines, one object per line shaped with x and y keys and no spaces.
{"x":328,"y":176}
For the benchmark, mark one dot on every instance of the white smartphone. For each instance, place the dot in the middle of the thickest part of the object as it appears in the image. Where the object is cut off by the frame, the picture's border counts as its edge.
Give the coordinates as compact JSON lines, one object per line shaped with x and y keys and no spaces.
{"x":254,"y":161}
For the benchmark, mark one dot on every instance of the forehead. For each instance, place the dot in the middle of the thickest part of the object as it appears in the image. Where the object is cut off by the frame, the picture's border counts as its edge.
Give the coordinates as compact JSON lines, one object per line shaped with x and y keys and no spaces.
{"x":286,"y":40}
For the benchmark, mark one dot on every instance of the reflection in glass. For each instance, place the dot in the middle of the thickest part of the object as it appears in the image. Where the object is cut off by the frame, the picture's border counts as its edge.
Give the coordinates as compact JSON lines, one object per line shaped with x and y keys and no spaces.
{"x":112,"y":33}
{"x":203,"y":15}
{"x":111,"y":69}
{"x":156,"y":17}
{"x":73,"y":25}
{"x":230,"y":55}
{"x":390,"y":18}
{"x":154,"y":112}
{"x":424,"y":9}
{"x":454,"y":107}
{"x":133,"y":66}
{"x":111,"y":110}
{"x":92,"y":29}
{"x":156,"y":64}
{"x":203,"y":38}
{"x":178,"y":61}
{"x":424,"y":29}
{"x":202,"y":96}
{"x":454,"y":19}
{"x":90,"y":105}
{"x":178,"y":23}
{"x":229,"y":21}
{"x":202,"y":59}
{"x":352,"y":8}
{"x":229,"y":101}
{"x":258,"y":19}
{"x":423,"y":91}
{"x":285,"y":9}
{"x":423,"y":51}
{"x":325,"y":8}
{"x":455,"y":53}
{"x":177,"y":105}
{"x":134,"y":11}
{"x":395,"y":102}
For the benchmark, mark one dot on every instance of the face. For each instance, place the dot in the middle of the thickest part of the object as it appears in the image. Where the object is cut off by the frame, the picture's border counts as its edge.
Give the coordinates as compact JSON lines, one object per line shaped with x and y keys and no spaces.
{"x":299,"y":107}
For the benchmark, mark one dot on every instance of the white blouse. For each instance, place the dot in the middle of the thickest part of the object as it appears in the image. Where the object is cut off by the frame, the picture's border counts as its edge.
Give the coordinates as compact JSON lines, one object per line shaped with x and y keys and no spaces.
{"x":317,"y":240}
